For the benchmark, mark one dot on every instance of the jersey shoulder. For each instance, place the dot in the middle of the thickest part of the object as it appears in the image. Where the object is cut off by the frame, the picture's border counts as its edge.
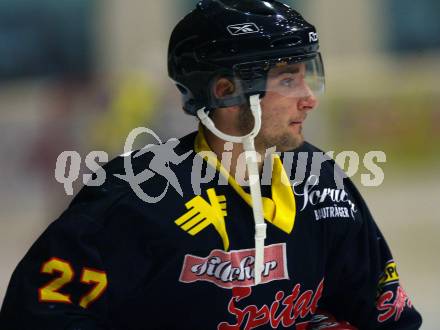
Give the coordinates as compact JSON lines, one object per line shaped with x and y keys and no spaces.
{"x":129,"y":175}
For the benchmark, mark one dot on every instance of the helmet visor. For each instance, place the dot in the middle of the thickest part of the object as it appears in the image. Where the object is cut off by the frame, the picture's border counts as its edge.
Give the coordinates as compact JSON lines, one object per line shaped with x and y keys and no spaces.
{"x":295,"y":77}
{"x":290,"y":76}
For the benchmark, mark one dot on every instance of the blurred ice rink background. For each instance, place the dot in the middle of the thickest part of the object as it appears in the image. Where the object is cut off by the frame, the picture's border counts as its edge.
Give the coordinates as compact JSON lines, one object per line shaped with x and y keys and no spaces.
{"x":80,"y":74}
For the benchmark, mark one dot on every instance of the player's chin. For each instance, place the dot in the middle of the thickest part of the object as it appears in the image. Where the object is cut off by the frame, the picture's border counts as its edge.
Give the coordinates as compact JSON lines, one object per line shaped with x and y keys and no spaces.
{"x":298,"y":142}
{"x":290,"y":142}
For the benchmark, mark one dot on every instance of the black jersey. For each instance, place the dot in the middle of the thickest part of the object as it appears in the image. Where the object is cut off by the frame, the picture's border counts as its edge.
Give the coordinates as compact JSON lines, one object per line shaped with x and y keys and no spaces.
{"x":114,"y":261}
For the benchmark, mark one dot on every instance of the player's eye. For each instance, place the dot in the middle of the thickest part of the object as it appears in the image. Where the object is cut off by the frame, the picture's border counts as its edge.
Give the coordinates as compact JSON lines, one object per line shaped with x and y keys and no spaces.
{"x":287,"y":82}
{"x":291,"y":80}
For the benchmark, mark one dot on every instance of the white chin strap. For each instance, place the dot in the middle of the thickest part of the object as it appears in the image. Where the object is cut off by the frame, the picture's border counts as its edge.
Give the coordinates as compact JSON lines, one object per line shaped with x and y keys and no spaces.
{"x":254,"y":176}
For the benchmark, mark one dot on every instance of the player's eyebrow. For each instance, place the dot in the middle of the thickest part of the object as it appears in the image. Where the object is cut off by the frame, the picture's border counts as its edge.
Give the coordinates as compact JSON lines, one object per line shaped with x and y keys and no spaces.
{"x":290,"y":70}
{"x":286,"y":69}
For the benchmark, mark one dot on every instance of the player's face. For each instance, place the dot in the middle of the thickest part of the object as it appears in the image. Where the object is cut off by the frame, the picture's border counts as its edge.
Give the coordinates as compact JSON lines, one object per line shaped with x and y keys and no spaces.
{"x":285,"y":106}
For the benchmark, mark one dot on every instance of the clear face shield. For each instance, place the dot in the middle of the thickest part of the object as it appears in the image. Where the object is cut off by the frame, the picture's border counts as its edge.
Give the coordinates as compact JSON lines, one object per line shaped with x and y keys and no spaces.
{"x":290,"y":77}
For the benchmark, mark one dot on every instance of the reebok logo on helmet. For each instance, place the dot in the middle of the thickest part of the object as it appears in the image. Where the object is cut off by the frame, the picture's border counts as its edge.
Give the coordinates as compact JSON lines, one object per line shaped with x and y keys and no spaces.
{"x":243,"y":28}
{"x":313,"y":37}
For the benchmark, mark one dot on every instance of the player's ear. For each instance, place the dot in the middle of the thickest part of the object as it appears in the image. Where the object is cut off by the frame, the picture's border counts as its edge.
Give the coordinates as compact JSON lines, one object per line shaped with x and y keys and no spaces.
{"x":223,"y":87}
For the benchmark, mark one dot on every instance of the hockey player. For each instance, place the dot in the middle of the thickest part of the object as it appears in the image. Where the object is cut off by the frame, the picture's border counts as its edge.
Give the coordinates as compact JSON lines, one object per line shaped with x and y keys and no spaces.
{"x":222,"y":255}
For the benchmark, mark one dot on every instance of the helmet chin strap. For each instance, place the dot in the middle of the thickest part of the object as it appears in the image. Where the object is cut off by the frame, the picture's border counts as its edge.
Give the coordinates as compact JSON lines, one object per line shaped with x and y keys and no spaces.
{"x":254,"y":176}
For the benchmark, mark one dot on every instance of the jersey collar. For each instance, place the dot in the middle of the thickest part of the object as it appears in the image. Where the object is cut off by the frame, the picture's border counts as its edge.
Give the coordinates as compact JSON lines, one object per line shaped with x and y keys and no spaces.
{"x":280,"y":210}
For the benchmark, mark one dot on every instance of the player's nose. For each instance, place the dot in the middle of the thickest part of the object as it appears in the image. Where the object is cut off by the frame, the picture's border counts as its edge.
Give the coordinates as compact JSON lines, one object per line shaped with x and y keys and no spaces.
{"x":308,"y":101}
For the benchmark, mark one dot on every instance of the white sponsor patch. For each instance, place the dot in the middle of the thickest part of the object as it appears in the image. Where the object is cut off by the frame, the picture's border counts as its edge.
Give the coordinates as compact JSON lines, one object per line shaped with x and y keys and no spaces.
{"x":235,"y":268}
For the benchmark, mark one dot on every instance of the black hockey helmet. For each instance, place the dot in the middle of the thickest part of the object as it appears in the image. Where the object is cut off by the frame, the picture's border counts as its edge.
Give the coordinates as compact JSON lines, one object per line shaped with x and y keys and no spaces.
{"x":241,"y":40}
